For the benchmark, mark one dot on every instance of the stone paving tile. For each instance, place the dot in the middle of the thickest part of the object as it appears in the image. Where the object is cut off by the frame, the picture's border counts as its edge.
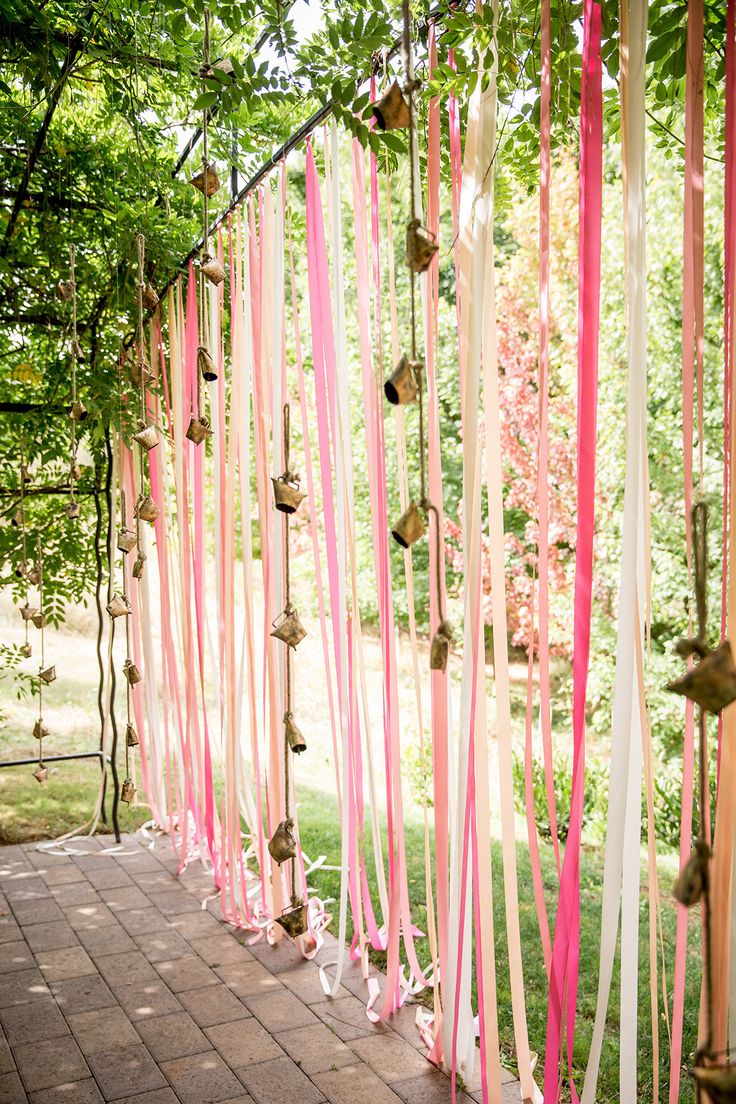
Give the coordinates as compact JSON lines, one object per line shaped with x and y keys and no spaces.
{"x":240,"y":1100}
{"x":174,"y":1036}
{"x":315,"y":1049}
{"x":143,"y":1002}
{"x":129,"y":1069}
{"x":243,"y":1043}
{"x":74,"y":893}
{"x":9,"y":930}
{"x":391,"y":1057}
{"x":89,"y":916}
{"x":11,"y":1089}
{"x":63,"y":875}
{"x":36,"y":912}
{"x":220,"y":950}
{"x":247,"y":978}
{"x":83,"y":994}
{"x":23,"y":987}
{"x":162,"y":946}
{"x":49,"y":937}
{"x":432,"y":1088}
{"x":157,"y":1096}
{"x":304,"y":982}
{"x":197,"y":925}
{"x":171,"y":902}
{"x":105,"y":1030}
{"x":29,"y":1023}
{"x":202,"y":1078}
{"x":213,"y":1004}
{"x":354,"y":1083}
{"x":139,"y":921}
{"x":280,"y":1010}
{"x":26,"y":887}
{"x":279,"y":1082}
{"x":15,"y":956}
{"x":108,"y":940}
{"x":105,"y":877}
{"x":346,"y":1017}
{"x":126,"y":969}
{"x":156,"y":881}
{"x":139,"y":862}
{"x":283,"y":956}
{"x":186,"y":973}
{"x":7,"y":1065}
{"x":51,"y":1062}
{"x":69,"y":962}
{"x":119,"y":898}
{"x":74,"y":1092}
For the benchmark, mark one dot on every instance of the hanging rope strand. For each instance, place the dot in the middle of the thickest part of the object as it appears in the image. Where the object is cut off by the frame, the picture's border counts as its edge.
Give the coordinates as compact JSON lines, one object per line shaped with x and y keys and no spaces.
{"x":287,"y":572}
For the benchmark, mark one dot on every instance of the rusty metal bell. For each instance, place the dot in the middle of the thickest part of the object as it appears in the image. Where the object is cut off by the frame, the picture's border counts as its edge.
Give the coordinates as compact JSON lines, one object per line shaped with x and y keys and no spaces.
{"x":212,"y":269}
{"x":40,"y":730}
{"x":391,"y":112}
{"x":150,"y":298}
{"x":131,"y":672}
{"x":141,"y":372}
{"x":439,"y":650}
{"x":131,"y":736}
{"x":711,"y":684}
{"x":410,"y":527}
{"x":139,"y":565}
{"x":75,"y":472}
{"x":26,"y":650}
{"x":401,"y":387}
{"x":294,"y":738}
{"x":286,"y":493}
{"x":39,"y":619}
{"x":78,"y":411}
{"x":206,"y":364}
{"x":72,"y":508}
{"x":294,"y":919}
{"x":199,"y":430}
{"x":34,"y":575}
{"x":146,"y":509}
{"x":127,"y":791}
{"x":17,"y":519}
{"x":21,"y":569}
{"x":28,"y":612}
{"x":41,"y":773}
{"x":691,"y":881}
{"x":65,"y":290}
{"x":206,"y":180}
{"x":718,"y":1083}
{"x":78,"y":351}
{"x":48,"y":674}
{"x":421,"y":247}
{"x":282,"y":845}
{"x":126,"y":540}
{"x":118,"y":606}
{"x":146,"y":437}
{"x":288,"y":627}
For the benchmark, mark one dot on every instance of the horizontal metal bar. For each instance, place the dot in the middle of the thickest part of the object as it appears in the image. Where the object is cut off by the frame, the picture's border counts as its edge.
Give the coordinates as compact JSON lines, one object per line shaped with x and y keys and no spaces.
{"x":56,"y":759}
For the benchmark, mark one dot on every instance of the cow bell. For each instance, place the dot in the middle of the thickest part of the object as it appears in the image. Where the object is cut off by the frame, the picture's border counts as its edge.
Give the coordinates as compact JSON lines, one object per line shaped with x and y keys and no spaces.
{"x":139,"y":565}
{"x":294,"y":919}
{"x":206,"y":364}
{"x":288,"y":627}
{"x":691,"y":881}
{"x":126,"y":540}
{"x":206,"y":180}
{"x":401,"y":387}
{"x":28,"y":612}
{"x":48,"y":674}
{"x":141,"y":372}
{"x":75,"y":472}
{"x":40,"y":730}
{"x":78,"y":411}
{"x":711,"y":683}
{"x":131,"y":672}
{"x":410,"y":527}
{"x":199,"y":430}
{"x":21,"y":569}
{"x":212,"y":269}
{"x":439,"y":650}
{"x":41,"y":773}
{"x":78,"y":351}
{"x":131,"y":736}
{"x":282,"y":845}
{"x":391,"y":112}
{"x":718,"y":1083}
{"x":150,"y":298}
{"x":286,"y":493}
{"x":147,"y":437}
{"x":26,"y":650}
{"x":17,"y":519}
{"x":72,"y":509}
{"x":294,"y":738}
{"x":119,"y":605}
{"x":127,"y":791}
{"x":39,"y":619}
{"x":65,"y":290}
{"x":146,"y":509}
{"x":421,"y":246}
{"x":34,"y":575}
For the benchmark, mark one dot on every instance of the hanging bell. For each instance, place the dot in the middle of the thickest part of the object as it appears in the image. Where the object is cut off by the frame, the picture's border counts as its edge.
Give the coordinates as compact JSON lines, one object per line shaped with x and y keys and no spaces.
{"x":199,"y":430}
{"x":294,"y":919}
{"x":717,"y":1082}
{"x":40,"y":730}
{"x":421,"y":246}
{"x":282,"y":845}
{"x":139,"y":565}
{"x":439,"y":650}
{"x":147,"y":510}
{"x":391,"y":112}
{"x":286,"y":493}
{"x":126,"y":540}
{"x":147,"y":437}
{"x":78,"y":351}
{"x":41,"y":773}
{"x":21,"y":569}
{"x":127,"y":791}
{"x":17,"y":519}
{"x":212,"y":269}
{"x":65,"y":290}
{"x":131,"y":736}
{"x":119,"y":605}
{"x":131,"y":672}
{"x":150,"y":298}
{"x":401,"y":387}
{"x":75,"y":472}
{"x":71,"y":509}
{"x":141,"y":372}
{"x":26,"y":650}
{"x":39,"y":619}
{"x":294,"y":738}
{"x":206,"y":364}
{"x":691,"y":881}
{"x":410,"y":527}
{"x":28,"y":612}
{"x":206,"y":180}
{"x":288,"y":627}
{"x":34,"y":575}
{"x":48,"y":674}
{"x":711,"y":684}
{"x":78,"y":411}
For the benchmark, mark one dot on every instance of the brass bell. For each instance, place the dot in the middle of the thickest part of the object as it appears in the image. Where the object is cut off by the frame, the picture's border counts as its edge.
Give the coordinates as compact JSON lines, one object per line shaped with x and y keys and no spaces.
{"x":206,"y":364}
{"x":131,"y":672}
{"x":410,"y":527}
{"x":150,"y":298}
{"x":78,"y":351}
{"x":401,"y":386}
{"x":71,"y":509}
{"x":39,"y":619}
{"x":691,"y":881}
{"x":206,"y":180}
{"x":75,"y":472}
{"x":131,"y":736}
{"x":139,"y":565}
{"x":294,"y":919}
{"x":294,"y":738}
{"x":391,"y":112}
{"x":48,"y":674}
{"x":41,"y":774}
{"x":212,"y":269}
{"x":147,"y":510}
{"x":718,"y":1082}
{"x":199,"y":430}
{"x":127,"y":791}
{"x":28,"y":612}
{"x":147,"y":437}
{"x":421,"y":246}
{"x":286,"y":493}
{"x":65,"y":290}
{"x":34,"y":575}
{"x":26,"y":650}
{"x":288,"y":627}
{"x":711,"y":684}
{"x":282,"y":845}
{"x":78,"y":411}
{"x":40,"y":730}
{"x":126,"y":540}
{"x":118,"y":605}
{"x":439,"y":650}
{"x":141,"y":372}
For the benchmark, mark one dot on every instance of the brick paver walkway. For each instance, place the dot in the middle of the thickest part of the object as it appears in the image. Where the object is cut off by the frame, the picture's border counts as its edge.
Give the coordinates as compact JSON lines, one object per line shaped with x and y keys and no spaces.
{"x":115,"y":985}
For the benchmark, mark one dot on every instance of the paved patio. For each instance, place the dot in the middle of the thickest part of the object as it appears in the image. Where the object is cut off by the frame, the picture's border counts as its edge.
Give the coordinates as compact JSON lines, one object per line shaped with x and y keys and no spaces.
{"x":116,"y":985}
